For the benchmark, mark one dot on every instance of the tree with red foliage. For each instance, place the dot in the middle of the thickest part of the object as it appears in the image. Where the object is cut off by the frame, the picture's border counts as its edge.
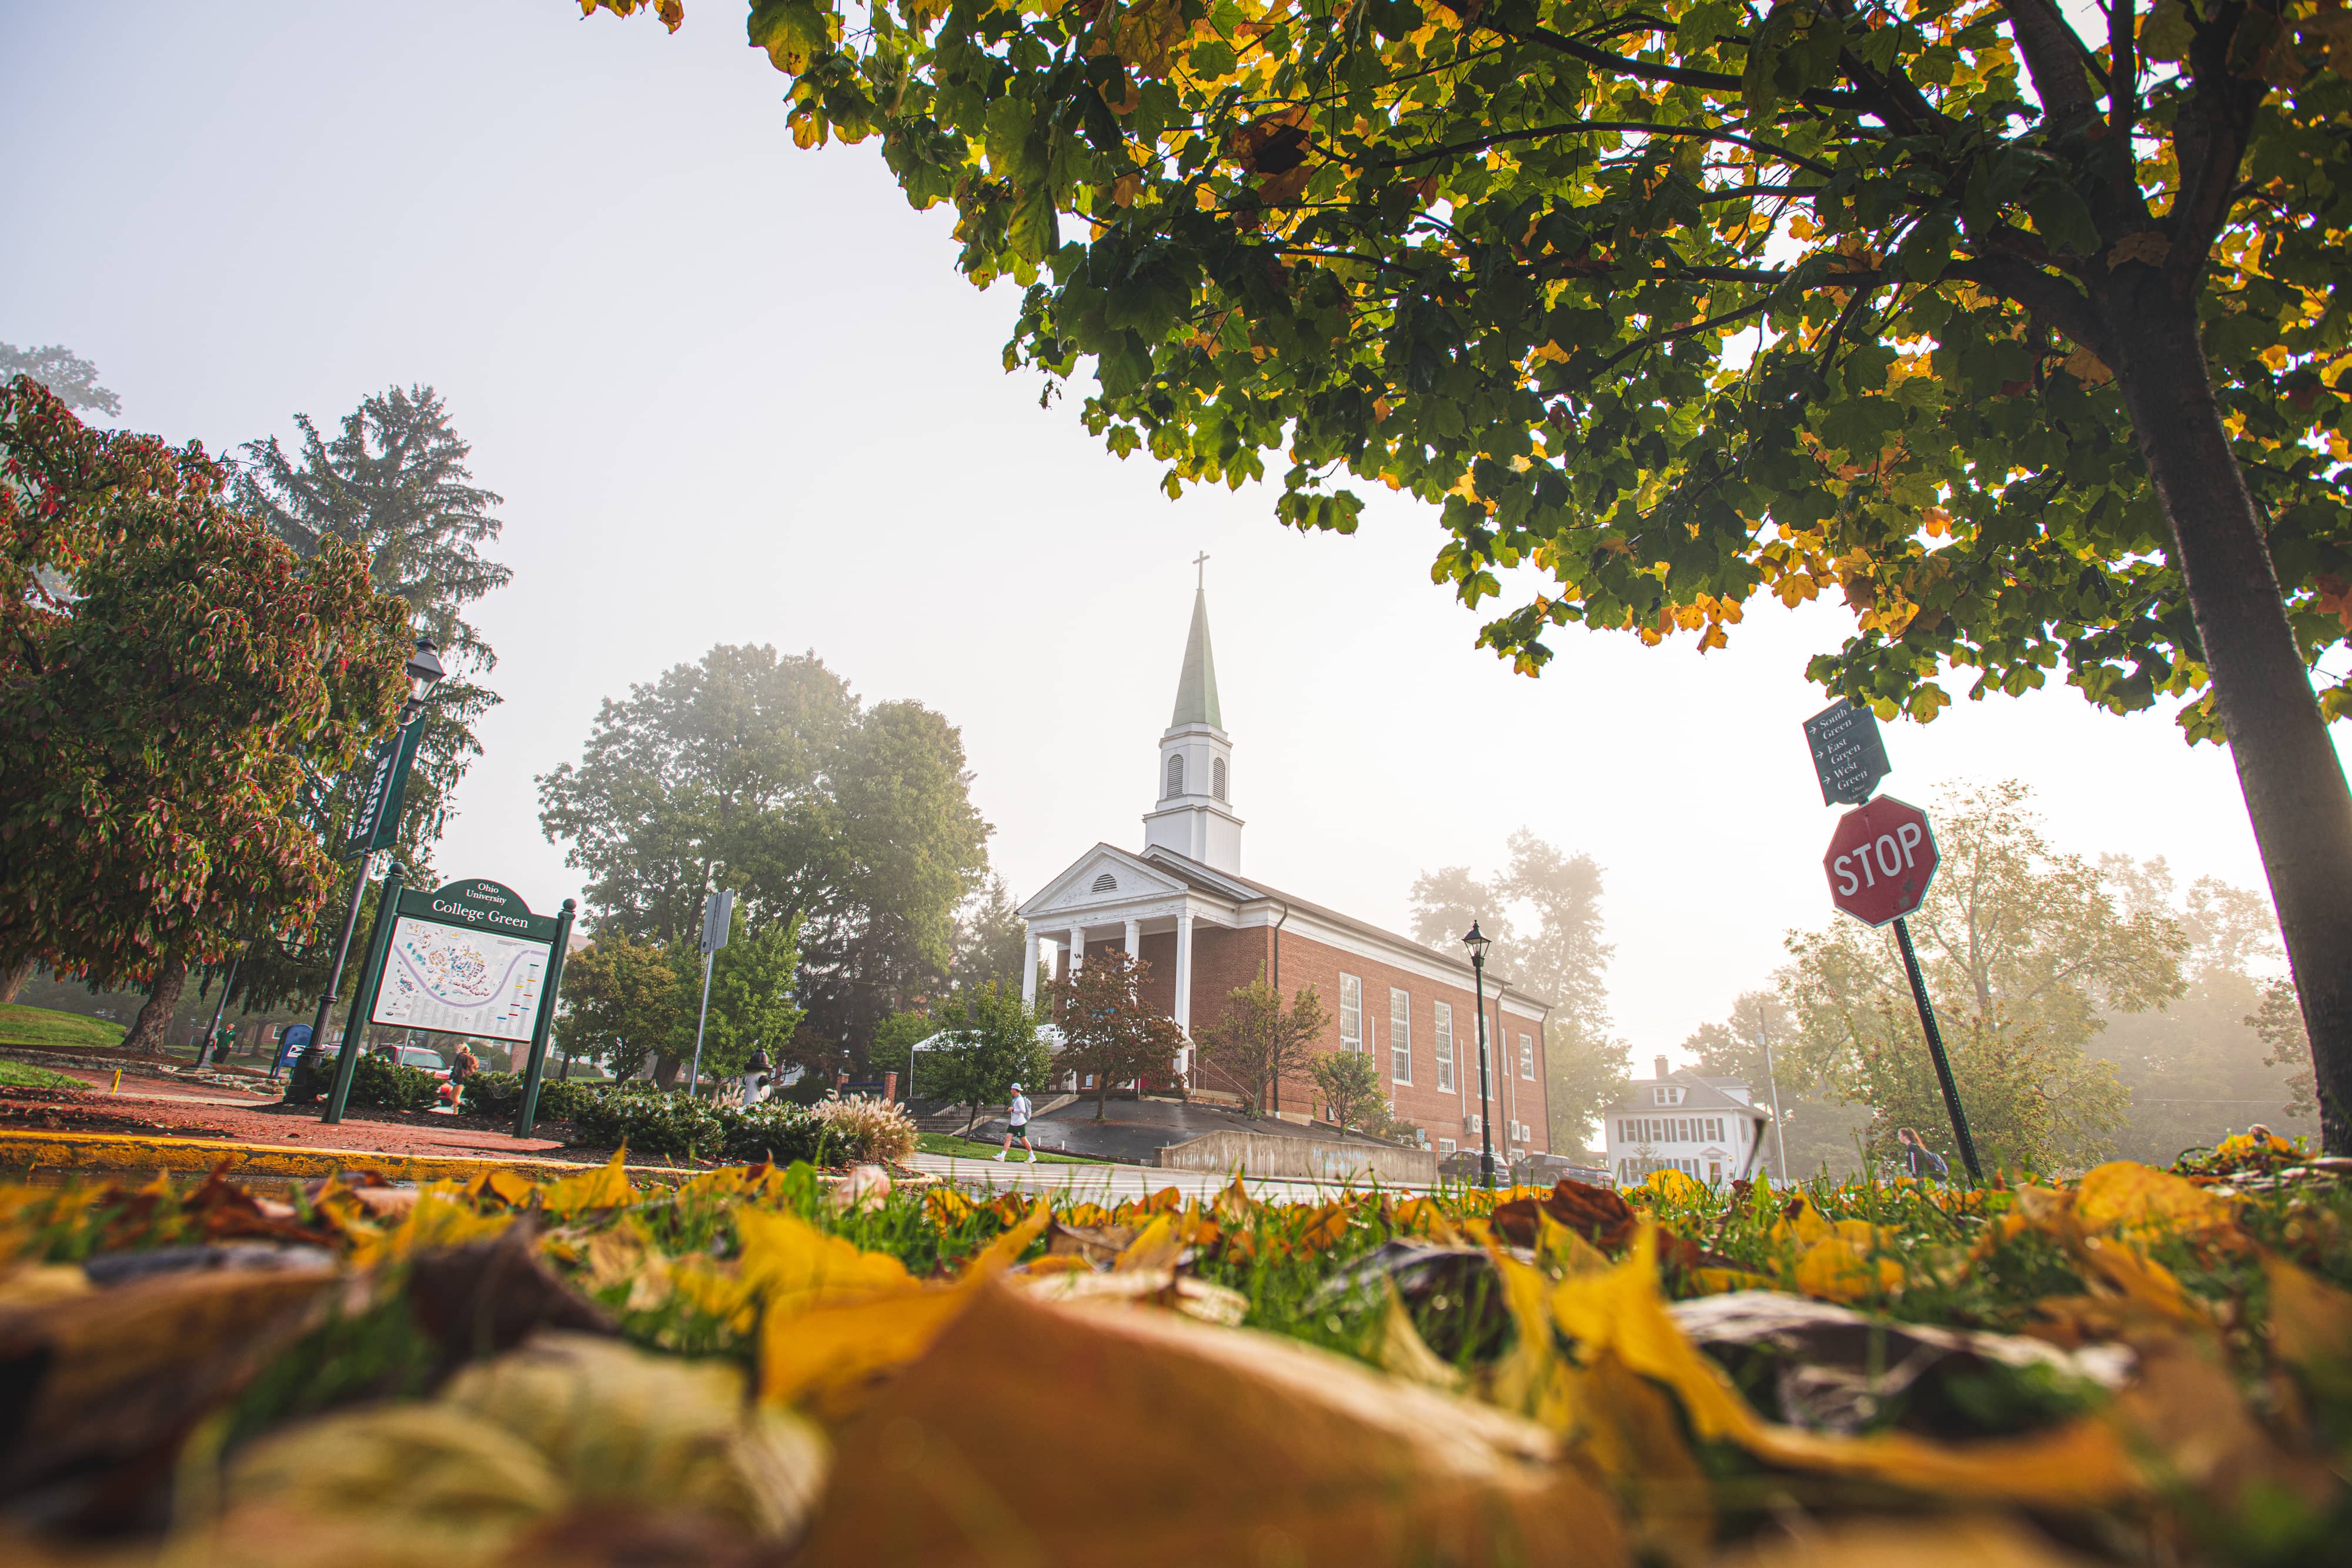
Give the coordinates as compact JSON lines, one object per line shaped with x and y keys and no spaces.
{"x":168,"y":672}
{"x":1108,"y":1030}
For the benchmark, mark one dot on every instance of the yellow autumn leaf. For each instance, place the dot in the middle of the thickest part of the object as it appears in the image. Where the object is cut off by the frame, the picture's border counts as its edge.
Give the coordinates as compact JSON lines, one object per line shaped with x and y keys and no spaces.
{"x":864,"y":1325}
{"x":1850,"y":1265}
{"x":2130,"y":1200}
{"x":606,"y":1188}
{"x":507,"y":1186}
{"x":1156,"y":1246}
{"x":796,"y":1267}
{"x":439,"y":1219}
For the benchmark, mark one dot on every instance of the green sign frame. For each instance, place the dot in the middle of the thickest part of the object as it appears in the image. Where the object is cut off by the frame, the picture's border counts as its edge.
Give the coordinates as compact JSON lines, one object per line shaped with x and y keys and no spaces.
{"x":473,"y":903}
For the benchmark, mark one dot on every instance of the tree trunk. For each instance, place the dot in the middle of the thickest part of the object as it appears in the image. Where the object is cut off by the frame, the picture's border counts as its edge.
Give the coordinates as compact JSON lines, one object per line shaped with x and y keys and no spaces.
{"x":666,"y":1068}
{"x":148,"y":1030}
{"x":13,"y":978}
{"x":2287,"y":766}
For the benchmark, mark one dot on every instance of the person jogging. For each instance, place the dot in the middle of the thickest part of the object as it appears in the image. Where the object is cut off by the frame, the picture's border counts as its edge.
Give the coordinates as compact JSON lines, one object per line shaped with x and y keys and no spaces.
{"x":1922,"y":1160}
{"x":1016,"y":1126}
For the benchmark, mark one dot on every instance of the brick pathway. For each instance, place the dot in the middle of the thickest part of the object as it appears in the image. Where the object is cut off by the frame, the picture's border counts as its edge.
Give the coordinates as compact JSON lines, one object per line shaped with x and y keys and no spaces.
{"x":170,"y":1103}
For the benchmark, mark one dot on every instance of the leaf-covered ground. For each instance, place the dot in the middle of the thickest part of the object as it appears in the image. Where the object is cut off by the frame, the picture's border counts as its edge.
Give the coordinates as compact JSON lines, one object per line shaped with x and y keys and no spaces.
{"x":775,"y":1366}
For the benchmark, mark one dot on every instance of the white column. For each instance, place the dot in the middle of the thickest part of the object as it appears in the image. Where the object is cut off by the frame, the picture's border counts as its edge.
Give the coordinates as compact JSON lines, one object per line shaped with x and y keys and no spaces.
{"x":1135,"y":938}
{"x":1029,"y":969}
{"x":1076,"y":952}
{"x":1184,"y":987}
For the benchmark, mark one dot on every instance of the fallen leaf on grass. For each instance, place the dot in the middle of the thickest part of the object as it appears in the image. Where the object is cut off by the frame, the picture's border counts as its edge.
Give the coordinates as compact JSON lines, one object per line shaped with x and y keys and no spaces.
{"x":2143,"y":1206}
{"x":607,"y":1187}
{"x":116,"y":1378}
{"x":509,"y":1450}
{"x":831,"y":1356}
{"x":1939,"y":1542}
{"x":2311,"y":1327}
{"x":1622,"y":1311}
{"x":864,"y":1189}
{"x":1172,"y":1443}
{"x":1194,"y":1298}
{"x":623,"y":1425}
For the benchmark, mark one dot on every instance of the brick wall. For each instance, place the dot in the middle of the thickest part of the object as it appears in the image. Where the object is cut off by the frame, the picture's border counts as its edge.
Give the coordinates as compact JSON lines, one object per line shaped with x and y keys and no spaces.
{"x":1307,"y":962}
{"x":1225,"y":960}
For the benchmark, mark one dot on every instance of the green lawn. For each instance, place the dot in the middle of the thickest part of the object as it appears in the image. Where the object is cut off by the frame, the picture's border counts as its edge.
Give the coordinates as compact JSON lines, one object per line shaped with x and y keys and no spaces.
{"x":17,"y":1075}
{"x":965,"y":1149}
{"x":66,"y":1031}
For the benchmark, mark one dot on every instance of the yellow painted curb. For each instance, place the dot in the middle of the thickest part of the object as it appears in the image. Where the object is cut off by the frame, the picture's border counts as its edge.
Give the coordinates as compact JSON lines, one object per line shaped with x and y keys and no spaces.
{"x":118,"y":1154}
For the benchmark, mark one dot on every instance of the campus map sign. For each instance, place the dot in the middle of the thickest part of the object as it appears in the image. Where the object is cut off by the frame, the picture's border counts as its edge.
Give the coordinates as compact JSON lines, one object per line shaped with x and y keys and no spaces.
{"x":466,"y":958}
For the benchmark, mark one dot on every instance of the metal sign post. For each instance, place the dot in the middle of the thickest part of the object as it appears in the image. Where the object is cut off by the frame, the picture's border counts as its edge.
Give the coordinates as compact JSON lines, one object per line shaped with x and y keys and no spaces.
{"x":718,"y":919}
{"x":1881,"y":860}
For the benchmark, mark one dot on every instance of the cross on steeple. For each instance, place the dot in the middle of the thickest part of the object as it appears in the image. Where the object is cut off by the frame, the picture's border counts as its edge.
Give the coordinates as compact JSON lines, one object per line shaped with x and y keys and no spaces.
{"x":1202,"y":561}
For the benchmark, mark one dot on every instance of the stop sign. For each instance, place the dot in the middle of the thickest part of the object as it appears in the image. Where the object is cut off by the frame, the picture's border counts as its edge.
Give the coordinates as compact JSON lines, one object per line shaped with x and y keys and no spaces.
{"x":1881,"y":859}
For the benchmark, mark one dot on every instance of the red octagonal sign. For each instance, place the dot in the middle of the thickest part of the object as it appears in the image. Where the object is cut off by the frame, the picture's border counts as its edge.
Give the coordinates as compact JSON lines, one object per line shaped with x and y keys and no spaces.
{"x":1881,"y":859}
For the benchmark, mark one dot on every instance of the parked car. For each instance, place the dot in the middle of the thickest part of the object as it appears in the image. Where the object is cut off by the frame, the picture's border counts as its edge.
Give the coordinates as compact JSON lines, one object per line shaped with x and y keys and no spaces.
{"x":416,"y":1056}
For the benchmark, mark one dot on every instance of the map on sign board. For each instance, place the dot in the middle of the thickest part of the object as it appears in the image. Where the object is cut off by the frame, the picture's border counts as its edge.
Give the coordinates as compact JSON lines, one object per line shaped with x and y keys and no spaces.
{"x":459,"y":981}
{"x":1848,"y":755}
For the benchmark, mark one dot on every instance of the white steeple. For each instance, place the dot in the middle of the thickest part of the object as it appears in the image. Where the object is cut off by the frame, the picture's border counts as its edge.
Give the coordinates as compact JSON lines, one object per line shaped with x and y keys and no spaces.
{"x":1195,"y":816}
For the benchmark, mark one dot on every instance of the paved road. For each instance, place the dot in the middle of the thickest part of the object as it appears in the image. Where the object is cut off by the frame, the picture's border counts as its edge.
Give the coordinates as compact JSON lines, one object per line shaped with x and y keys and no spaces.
{"x":1107,"y":1184}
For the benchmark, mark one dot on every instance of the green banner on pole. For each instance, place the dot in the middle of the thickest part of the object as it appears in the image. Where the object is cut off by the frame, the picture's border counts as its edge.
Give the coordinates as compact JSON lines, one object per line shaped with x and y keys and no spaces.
{"x":376,"y":825}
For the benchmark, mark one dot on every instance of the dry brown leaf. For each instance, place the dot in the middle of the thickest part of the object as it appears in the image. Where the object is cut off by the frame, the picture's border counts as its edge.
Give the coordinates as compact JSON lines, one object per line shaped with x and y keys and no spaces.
{"x":1165,"y":1442}
{"x":121,"y":1373}
{"x":1193,"y":1297}
{"x":2311,"y":1326}
{"x":1932,"y":1543}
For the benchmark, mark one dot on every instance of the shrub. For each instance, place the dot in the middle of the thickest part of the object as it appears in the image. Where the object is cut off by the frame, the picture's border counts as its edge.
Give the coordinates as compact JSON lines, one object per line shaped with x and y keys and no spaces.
{"x":648,"y":1122}
{"x":868,"y":1129}
{"x":779,"y":1133}
{"x":647,"y":1119}
{"x":376,"y":1082}
{"x":499,"y":1094}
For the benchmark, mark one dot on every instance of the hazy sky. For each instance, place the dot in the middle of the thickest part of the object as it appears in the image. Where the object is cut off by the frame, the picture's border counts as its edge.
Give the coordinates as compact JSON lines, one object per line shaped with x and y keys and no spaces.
{"x":736,"y":391}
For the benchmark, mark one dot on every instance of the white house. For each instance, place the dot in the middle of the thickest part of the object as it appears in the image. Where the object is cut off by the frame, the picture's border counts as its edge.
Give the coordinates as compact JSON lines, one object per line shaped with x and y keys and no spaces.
{"x":1703,"y":1127}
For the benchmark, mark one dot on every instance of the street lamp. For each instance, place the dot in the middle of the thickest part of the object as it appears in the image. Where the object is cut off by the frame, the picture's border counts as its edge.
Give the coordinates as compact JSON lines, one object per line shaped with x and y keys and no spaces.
{"x":423,"y":669}
{"x":1478,"y":942}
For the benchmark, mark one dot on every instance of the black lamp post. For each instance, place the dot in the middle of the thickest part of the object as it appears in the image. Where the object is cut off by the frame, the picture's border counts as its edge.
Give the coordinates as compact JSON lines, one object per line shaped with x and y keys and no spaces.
{"x":1478,"y":942}
{"x":424,"y":670}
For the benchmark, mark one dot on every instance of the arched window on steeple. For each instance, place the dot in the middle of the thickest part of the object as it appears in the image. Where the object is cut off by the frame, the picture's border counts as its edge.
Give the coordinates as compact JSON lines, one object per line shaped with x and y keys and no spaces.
{"x":1217,"y":777}
{"x":1175,"y":775}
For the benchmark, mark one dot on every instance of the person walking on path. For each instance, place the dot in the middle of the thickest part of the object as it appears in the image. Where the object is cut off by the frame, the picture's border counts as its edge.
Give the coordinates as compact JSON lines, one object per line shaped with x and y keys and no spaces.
{"x":755,"y":1073}
{"x":1016,"y":1126}
{"x":462,"y":1069}
{"x":1921,"y":1160}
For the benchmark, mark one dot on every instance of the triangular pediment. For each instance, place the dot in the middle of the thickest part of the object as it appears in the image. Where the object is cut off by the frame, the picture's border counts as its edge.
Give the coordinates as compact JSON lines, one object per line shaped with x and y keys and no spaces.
{"x":1102,"y":878}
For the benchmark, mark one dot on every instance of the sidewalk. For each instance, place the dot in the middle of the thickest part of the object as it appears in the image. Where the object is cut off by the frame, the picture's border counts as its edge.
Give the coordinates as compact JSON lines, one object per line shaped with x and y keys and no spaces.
{"x":1109,"y":1183}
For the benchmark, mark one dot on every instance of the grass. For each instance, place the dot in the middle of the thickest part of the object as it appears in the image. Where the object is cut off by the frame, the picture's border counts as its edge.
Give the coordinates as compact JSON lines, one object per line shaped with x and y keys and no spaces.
{"x":968,"y":1149}
{"x":17,"y":1075}
{"x":22,"y":1025}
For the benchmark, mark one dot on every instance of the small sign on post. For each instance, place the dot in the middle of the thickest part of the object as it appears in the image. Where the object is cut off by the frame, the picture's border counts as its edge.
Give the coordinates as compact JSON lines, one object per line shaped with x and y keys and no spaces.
{"x":1849,"y":757}
{"x":718,"y":919}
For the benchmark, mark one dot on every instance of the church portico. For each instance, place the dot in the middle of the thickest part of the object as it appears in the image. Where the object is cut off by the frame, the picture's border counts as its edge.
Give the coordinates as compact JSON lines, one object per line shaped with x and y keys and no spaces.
{"x":1181,"y":906}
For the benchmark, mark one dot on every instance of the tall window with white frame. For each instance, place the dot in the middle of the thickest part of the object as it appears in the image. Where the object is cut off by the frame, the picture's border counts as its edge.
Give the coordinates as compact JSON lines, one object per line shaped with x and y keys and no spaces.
{"x":1175,"y":775}
{"x":1527,"y":1057}
{"x":1443,"y":1035}
{"x":1351,"y":1013}
{"x":1399,"y":1035}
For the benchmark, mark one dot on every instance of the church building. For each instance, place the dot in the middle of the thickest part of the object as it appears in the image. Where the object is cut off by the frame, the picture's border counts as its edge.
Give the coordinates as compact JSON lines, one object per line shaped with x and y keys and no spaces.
{"x":1181,"y":902}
